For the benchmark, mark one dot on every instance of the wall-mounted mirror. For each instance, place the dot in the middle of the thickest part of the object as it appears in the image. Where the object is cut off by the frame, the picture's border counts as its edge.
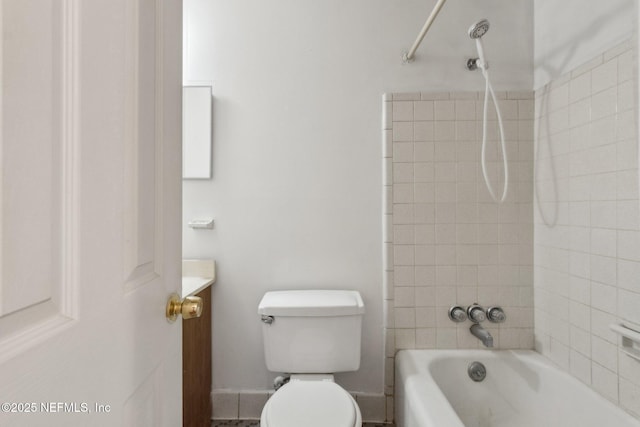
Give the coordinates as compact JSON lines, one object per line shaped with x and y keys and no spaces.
{"x":196,"y":132}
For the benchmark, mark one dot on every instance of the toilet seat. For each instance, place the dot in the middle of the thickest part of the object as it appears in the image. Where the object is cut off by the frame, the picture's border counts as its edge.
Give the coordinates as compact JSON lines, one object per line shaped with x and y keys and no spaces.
{"x":311,"y":404}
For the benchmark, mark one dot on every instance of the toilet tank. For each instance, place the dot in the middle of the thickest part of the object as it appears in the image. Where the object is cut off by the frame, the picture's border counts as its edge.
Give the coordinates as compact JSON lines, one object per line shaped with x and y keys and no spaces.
{"x":312,"y":331}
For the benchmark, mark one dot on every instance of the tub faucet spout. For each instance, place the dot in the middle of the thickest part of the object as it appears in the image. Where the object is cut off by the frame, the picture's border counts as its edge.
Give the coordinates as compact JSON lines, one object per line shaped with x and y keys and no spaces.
{"x":482,"y":334}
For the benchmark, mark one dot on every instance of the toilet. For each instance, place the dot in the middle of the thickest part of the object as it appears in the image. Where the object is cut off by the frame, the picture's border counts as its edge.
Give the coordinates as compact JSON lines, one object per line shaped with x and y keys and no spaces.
{"x":310,"y":335}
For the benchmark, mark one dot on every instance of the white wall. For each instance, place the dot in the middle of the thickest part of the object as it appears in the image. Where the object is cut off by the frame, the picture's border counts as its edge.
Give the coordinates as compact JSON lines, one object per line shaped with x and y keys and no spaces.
{"x":296,"y":175}
{"x":568,"y":33}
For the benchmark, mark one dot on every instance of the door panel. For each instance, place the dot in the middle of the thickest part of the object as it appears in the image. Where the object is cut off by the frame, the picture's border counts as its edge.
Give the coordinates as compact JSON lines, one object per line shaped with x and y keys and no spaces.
{"x":90,"y":212}
{"x":36,"y":199}
{"x":143,"y":168}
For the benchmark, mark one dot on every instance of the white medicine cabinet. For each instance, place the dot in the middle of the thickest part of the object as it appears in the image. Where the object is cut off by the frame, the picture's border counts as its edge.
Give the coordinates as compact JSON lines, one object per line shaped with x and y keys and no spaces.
{"x":196,"y":132}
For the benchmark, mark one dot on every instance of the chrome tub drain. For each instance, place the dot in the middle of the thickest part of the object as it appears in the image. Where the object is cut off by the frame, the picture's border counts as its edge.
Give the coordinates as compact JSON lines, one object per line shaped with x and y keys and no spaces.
{"x":477,"y":371}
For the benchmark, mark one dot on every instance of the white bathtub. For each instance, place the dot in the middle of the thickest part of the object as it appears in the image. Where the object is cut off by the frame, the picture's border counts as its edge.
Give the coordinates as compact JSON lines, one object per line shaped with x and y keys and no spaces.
{"x":521,"y":389}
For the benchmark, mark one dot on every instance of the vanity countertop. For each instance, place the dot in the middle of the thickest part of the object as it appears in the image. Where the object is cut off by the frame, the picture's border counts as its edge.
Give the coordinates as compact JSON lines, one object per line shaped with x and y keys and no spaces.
{"x":197,"y":274}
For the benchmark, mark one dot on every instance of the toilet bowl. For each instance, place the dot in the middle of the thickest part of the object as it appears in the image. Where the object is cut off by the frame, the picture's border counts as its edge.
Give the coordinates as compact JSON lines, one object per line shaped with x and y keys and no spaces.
{"x":311,"y":401}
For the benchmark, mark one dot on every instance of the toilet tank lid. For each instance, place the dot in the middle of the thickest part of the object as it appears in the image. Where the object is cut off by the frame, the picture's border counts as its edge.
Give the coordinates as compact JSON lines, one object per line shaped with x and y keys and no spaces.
{"x":310,"y":303}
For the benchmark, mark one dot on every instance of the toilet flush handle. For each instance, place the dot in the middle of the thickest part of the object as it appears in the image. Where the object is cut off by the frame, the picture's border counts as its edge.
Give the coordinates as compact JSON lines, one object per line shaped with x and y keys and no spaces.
{"x":267,"y":319}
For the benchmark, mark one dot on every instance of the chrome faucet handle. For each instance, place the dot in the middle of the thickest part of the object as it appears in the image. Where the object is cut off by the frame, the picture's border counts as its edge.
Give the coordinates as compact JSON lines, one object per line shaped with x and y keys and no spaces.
{"x":457,"y":314}
{"x":496,"y":315}
{"x":476,"y":313}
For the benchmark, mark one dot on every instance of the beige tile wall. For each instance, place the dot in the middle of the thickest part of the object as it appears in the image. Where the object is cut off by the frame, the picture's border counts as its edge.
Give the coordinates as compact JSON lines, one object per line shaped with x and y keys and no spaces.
{"x":587,"y":232}
{"x":446,"y":242}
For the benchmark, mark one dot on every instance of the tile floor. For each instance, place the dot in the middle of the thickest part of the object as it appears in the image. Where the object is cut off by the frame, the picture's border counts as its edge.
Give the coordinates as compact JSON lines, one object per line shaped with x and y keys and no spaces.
{"x":255,"y":423}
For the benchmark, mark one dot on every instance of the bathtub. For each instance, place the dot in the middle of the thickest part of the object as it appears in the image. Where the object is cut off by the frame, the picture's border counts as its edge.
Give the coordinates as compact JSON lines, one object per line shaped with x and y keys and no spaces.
{"x":521,"y":389}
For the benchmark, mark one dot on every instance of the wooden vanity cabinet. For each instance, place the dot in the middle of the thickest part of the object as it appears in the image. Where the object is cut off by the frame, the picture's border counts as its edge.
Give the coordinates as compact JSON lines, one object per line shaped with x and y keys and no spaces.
{"x":196,"y":366}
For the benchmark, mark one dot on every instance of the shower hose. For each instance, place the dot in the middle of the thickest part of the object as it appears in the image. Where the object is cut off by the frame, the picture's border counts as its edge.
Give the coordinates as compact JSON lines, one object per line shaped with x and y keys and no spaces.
{"x":489,"y":92}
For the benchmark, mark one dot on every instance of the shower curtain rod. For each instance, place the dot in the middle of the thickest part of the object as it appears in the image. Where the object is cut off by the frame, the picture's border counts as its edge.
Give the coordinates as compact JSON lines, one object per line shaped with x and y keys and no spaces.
{"x":408,"y":56}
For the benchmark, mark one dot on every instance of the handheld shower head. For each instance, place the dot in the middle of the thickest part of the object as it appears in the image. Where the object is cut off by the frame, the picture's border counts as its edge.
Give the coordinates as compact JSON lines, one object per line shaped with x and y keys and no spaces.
{"x":479,"y":29}
{"x":476,"y":31}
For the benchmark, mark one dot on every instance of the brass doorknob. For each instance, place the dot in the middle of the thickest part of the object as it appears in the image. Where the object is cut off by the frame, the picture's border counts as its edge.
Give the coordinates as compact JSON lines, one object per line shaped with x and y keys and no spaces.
{"x":189,"y":307}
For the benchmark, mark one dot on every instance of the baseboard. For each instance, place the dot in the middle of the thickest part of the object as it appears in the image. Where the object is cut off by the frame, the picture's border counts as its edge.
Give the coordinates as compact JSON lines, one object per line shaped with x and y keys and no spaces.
{"x":248,"y":404}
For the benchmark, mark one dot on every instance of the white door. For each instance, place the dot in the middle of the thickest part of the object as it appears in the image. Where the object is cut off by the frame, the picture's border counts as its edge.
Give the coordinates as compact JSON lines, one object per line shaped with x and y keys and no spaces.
{"x":90,"y":202}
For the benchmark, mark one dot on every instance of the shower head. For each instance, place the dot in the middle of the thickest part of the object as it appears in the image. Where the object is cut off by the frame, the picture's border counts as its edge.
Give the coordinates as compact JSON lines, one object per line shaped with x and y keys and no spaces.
{"x":476,"y":31}
{"x":479,"y":29}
